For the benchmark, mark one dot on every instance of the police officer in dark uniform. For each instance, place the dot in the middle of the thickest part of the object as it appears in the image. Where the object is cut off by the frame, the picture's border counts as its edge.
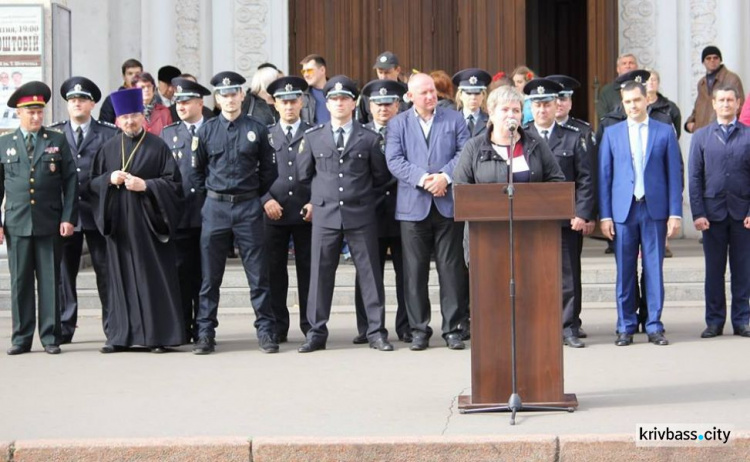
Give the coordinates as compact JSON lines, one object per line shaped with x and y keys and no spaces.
{"x":471,"y":98}
{"x":283,"y":204}
{"x":565,"y":105}
{"x":234,"y":167}
{"x":384,"y":97}
{"x":39,"y":181}
{"x":84,"y":135}
{"x":387,"y":67}
{"x":345,"y":162}
{"x":181,"y":137}
{"x":569,"y":148}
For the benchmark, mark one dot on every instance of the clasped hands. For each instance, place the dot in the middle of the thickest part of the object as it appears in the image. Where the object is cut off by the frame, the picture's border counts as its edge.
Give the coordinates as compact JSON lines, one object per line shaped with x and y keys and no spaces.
{"x":436,"y":184}
{"x":132,"y":183}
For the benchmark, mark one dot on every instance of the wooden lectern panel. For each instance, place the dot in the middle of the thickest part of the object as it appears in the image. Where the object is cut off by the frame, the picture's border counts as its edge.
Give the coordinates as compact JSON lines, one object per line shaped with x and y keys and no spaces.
{"x":532,"y":201}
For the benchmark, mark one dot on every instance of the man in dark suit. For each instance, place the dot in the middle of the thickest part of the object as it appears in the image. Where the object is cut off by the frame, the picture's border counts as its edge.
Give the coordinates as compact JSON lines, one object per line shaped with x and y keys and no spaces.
{"x":719,"y":182}
{"x":181,"y":138}
{"x":344,"y":160}
{"x":85,"y":135}
{"x":283,"y":205}
{"x":383,"y":97}
{"x":41,"y":204}
{"x":569,"y":148}
{"x":422,"y":148}
{"x":640,"y":199}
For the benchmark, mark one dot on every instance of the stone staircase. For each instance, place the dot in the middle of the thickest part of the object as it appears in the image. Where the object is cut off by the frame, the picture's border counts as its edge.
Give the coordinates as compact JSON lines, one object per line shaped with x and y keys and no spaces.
{"x":684,"y":275}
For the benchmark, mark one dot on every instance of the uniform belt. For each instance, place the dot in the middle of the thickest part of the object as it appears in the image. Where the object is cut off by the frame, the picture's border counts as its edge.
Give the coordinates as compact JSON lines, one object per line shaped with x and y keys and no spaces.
{"x":233,"y":198}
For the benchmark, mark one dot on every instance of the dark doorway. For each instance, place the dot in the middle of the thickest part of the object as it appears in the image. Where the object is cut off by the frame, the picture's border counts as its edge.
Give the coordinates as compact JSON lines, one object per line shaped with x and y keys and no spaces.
{"x":557,"y":43}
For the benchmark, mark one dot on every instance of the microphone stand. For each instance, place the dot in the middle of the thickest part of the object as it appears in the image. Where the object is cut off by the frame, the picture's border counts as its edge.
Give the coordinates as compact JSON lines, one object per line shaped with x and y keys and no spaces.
{"x":515,"y":404}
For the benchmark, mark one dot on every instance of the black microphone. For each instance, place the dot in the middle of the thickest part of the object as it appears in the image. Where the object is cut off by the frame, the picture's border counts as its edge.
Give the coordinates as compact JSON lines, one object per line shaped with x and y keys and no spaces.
{"x":512,"y":125}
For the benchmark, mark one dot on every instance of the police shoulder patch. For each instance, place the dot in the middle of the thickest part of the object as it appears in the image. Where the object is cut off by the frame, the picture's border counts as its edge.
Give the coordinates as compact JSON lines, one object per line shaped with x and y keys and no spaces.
{"x":570,"y":127}
{"x":317,"y":127}
{"x":173,"y":124}
{"x":270,"y":139}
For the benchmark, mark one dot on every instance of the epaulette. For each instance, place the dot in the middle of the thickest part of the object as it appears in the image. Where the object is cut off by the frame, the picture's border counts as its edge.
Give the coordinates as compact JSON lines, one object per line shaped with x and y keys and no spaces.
{"x":107,"y":124}
{"x":317,"y":127}
{"x":372,"y":129}
{"x":57,"y":124}
{"x":173,"y":124}
{"x":7,"y":133}
{"x":581,"y":121}
{"x":570,"y":127}
{"x":54,"y":130}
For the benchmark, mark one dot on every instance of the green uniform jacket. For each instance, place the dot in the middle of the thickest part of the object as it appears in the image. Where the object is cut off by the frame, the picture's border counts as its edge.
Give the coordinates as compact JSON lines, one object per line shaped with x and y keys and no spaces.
{"x":42,"y":193}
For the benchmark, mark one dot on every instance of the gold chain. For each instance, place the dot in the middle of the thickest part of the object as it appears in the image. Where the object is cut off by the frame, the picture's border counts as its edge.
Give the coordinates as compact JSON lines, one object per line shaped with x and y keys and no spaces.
{"x":125,"y":164}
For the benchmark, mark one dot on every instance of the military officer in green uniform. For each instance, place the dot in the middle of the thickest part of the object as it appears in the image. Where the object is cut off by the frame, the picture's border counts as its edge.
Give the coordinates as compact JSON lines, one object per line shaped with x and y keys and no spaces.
{"x":40,"y":185}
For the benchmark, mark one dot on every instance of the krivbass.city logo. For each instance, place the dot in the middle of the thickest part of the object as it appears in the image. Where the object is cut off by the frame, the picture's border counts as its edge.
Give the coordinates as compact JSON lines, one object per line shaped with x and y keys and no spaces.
{"x":700,"y":435}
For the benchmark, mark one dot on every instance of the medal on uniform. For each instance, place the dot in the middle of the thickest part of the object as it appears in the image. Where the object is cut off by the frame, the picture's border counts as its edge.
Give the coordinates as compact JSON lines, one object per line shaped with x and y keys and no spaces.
{"x":174,"y":140}
{"x":52,"y":167}
{"x":194,"y":145}
{"x":179,"y":154}
{"x":251,"y":136}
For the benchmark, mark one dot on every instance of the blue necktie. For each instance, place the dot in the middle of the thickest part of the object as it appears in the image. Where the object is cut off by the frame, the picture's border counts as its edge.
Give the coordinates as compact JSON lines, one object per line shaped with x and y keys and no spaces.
{"x":639,"y":190}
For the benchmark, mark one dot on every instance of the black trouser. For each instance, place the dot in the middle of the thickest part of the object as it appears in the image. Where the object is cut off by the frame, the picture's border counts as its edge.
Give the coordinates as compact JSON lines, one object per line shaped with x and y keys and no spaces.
{"x":244,"y":220}
{"x":326,"y":248}
{"x":443,"y":236}
{"x":572,"y":242}
{"x":277,"y":247}
{"x":72,"y":247}
{"x":402,"y":321}
{"x":188,"y":256}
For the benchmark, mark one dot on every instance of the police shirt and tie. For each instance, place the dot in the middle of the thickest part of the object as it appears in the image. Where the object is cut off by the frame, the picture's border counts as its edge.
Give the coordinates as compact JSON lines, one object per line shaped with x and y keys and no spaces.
{"x":473,"y":82}
{"x":569,"y":148}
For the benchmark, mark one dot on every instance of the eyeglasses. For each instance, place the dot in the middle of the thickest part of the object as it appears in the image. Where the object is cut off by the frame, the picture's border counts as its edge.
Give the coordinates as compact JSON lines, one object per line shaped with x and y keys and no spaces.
{"x":307,"y":71}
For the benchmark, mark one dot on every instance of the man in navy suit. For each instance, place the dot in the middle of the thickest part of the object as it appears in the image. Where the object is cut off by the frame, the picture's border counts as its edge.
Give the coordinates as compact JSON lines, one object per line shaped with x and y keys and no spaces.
{"x":423,"y":145}
{"x":85,"y":136}
{"x":719,"y":179}
{"x":640,"y":197}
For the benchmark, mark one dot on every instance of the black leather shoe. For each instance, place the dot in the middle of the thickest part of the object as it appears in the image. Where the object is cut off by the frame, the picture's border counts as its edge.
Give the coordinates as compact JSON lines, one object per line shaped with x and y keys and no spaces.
{"x":360,"y":339}
{"x":381,"y":344}
{"x":711,"y":332}
{"x":419,"y":343}
{"x":282,"y":338}
{"x":310,"y":345}
{"x":454,"y":342}
{"x":582,"y":333}
{"x":742,"y":331}
{"x":573,"y":342}
{"x":658,"y":338}
{"x":52,"y":349}
{"x":204,"y":346}
{"x":624,"y":339}
{"x":158,"y":349}
{"x":405,"y":337}
{"x":465,"y":328}
{"x":18,"y":350}
{"x":66,"y":339}
{"x":267,"y":344}
{"x":111,"y":349}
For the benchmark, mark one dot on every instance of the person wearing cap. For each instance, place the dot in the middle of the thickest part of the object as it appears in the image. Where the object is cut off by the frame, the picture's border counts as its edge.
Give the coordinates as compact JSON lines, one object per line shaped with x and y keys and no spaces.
{"x":386,"y":67}
{"x":640,"y":205}
{"x":423,"y":146}
{"x":716,"y":74}
{"x":156,"y":115}
{"x":39,"y":182}
{"x":314,"y":107}
{"x":136,"y":195}
{"x":720,"y":203}
{"x":344,"y":162}
{"x":85,"y":135}
{"x":565,"y":105}
{"x":571,"y":153}
{"x":164,"y":85}
{"x":471,"y":96}
{"x":384,"y":98}
{"x":179,"y":136}
{"x":234,"y":168}
{"x":283,"y":203}
{"x":608,"y":97}
{"x":130,"y":68}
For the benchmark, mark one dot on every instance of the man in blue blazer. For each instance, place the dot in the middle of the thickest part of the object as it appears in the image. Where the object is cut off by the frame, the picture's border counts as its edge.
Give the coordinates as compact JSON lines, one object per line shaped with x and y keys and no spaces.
{"x":719,"y":179}
{"x":422,"y":147}
{"x":640,"y":197}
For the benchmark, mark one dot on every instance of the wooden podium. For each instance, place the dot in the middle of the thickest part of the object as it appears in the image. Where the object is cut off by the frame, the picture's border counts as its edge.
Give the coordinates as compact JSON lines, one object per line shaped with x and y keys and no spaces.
{"x":538,"y":209}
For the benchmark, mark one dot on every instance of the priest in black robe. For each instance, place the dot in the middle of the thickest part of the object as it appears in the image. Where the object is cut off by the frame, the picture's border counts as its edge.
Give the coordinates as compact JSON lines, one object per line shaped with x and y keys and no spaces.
{"x":137,"y":200}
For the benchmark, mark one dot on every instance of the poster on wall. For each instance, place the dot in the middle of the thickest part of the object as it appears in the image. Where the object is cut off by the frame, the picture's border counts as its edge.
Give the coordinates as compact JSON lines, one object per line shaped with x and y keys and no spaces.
{"x":21,"y":40}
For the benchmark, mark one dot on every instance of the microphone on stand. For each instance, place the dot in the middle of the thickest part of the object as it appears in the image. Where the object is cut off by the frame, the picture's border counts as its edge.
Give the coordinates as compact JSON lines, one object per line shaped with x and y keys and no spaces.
{"x":512,"y":125}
